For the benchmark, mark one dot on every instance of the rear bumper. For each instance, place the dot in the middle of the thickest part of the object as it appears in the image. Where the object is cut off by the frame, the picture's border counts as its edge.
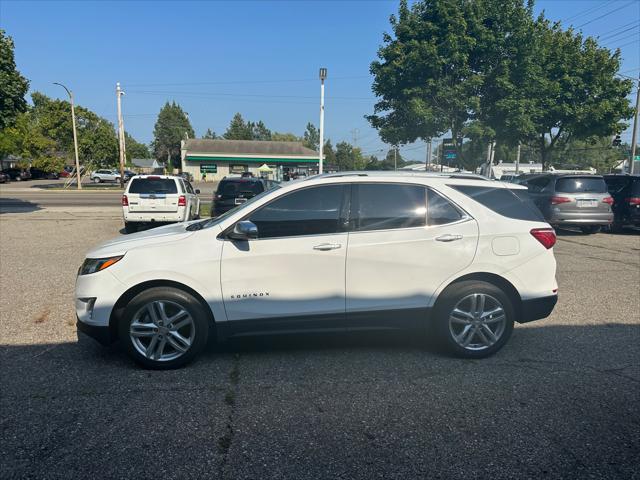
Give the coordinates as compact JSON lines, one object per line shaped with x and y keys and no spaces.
{"x":102,"y":334}
{"x":581,"y":218}
{"x":149,"y":217}
{"x":537,"y":308}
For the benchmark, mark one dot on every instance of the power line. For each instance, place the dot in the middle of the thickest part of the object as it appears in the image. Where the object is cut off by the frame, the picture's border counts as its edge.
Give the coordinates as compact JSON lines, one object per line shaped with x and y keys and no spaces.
{"x":314,"y":79}
{"x":628,"y":36}
{"x":607,"y":14}
{"x":226,"y":94}
{"x":608,"y":37}
{"x":586,"y":12}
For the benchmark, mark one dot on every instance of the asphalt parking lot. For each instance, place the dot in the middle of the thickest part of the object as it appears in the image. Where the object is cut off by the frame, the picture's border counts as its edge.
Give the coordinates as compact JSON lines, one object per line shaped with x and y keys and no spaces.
{"x":559,"y":401}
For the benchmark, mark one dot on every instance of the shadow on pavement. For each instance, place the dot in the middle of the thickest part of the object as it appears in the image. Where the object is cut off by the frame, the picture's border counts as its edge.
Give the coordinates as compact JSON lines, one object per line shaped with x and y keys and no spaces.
{"x":16,"y":205}
{"x":557,"y":401}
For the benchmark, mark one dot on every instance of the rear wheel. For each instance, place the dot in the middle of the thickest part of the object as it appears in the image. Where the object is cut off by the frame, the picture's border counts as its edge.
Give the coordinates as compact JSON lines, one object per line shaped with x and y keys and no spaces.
{"x":164,"y":328}
{"x":473,"y":319}
{"x":96,"y":180}
{"x":589,"y":229}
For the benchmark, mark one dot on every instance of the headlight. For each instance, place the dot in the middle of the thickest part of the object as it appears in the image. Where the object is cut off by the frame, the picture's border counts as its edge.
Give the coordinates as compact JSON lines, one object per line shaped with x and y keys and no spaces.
{"x":92,"y":265}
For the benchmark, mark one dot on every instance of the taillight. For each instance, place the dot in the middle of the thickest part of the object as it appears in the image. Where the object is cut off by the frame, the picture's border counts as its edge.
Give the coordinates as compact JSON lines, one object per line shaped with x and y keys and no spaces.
{"x":125,"y":201}
{"x":546,"y":236}
{"x":557,"y":200}
{"x":608,"y":200}
{"x":633,"y":200}
{"x":182,"y":201}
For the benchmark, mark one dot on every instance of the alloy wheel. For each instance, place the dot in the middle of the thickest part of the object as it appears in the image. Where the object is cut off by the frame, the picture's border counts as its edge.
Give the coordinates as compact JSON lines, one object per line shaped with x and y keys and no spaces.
{"x":477,"y":322}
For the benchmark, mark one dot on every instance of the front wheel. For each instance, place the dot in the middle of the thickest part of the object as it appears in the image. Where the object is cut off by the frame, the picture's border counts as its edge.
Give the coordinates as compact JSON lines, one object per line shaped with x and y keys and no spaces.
{"x":164,"y":328}
{"x":473,"y":319}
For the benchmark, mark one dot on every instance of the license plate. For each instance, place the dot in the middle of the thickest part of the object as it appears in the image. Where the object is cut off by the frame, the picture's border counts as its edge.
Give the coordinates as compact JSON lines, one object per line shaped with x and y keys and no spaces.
{"x":587,"y":203}
{"x":240,"y":200}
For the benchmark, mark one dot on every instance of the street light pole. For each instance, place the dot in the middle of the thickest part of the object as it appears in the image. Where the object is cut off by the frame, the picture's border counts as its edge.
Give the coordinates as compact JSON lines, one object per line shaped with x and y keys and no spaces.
{"x":121,"y":143}
{"x":75,"y":135}
{"x":323,"y":76}
{"x":634,"y":136}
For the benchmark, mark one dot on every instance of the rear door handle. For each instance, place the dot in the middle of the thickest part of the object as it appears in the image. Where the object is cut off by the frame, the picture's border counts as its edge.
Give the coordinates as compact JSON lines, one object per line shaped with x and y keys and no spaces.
{"x":448,"y":237}
{"x":327,"y":246}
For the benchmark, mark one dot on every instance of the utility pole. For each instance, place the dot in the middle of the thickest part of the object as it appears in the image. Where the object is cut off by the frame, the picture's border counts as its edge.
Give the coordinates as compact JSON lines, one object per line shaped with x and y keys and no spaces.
{"x":75,"y":135}
{"x":634,"y":136}
{"x":395,"y":158}
{"x":354,"y":136}
{"x":488,"y":164}
{"x":518,"y":160}
{"x":442,"y":156}
{"x":323,"y":76}
{"x":429,"y":155}
{"x":119,"y":94}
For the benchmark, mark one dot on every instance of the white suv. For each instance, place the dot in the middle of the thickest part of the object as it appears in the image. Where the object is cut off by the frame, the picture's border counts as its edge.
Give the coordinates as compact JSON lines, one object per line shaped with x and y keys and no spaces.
{"x":105,"y":176}
{"x":459,"y":258}
{"x":158,"y":198}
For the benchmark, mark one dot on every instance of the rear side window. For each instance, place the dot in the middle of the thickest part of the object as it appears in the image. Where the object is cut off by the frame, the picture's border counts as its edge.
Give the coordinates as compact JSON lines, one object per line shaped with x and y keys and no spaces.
{"x":235,"y":187}
{"x":511,"y":203}
{"x":380,"y":206}
{"x":581,"y":184}
{"x":312,"y":211}
{"x":153,"y":185}
{"x":441,"y":211}
{"x":635,"y":187}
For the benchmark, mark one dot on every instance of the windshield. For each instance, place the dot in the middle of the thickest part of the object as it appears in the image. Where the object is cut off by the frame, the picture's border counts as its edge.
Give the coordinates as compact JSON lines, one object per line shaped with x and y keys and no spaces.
{"x":209,"y":222}
{"x":153,"y":185}
{"x":234,"y":187}
{"x":581,"y":184}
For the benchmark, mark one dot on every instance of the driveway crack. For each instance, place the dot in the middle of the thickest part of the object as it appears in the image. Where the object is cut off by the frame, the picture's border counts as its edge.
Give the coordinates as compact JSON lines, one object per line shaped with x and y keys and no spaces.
{"x":226,"y":439}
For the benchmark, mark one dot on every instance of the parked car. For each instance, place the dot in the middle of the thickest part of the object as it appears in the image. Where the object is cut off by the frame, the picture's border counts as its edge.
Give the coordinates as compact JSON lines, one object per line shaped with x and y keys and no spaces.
{"x":105,"y":175}
{"x":4,"y":177}
{"x":572,"y":200}
{"x":509,"y":178}
{"x":233,"y":191}
{"x":17,"y":174}
{"x":460,"y":258}
{"x":625,"y":190}
{"x":187,"y":176}
{"x":128,"y":174}
{"x":158,"y":198}
{"x":37,"y":174}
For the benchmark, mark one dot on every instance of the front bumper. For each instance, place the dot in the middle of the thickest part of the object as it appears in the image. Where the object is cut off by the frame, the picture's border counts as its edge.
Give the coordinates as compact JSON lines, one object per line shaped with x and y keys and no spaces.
{"x":103,"y":335}
{"x":537,"y":308}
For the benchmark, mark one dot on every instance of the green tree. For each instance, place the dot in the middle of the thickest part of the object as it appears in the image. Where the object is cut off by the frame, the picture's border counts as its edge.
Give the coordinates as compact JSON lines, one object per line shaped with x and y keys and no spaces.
{"x":170,"y":129}
{"x":329,"y":153}
{"x":13,"y":86}
{"x":238,"y":129}
{"x":284,"y":137}
{"x":349,"y":157}
{"x":134,"y":148}
{"x":259,"y":131}
{"x":311,"y":137}
{"x":25,"y":139}
{"x":390,"y":161}
{"x":210,"y":135}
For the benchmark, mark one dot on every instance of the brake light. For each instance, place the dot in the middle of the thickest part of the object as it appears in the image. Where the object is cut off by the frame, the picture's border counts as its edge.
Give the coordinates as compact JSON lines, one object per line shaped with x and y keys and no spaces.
{"x":633,"y":200}
{"x":608,"y":200}
{"x":546,"y":236}
{"x":182,"y":201}
{"x":558,"y":200}
{"x":125,"y":201}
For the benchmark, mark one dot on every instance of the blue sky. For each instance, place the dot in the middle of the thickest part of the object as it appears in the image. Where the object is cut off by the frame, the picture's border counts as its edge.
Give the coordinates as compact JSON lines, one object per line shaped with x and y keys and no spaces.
{"x":259,"y":58}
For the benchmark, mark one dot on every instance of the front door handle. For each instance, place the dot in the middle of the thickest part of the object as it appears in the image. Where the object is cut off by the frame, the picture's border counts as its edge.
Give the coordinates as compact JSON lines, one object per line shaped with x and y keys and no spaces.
{"x":448,"y":238}
{"x":327,"y":246}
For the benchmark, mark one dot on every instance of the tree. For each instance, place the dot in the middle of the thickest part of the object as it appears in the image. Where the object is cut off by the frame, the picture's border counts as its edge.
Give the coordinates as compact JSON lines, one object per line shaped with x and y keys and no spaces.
{"x":24,"y":139}
{"x":390,"y":162}
{"x":284,"y":137}
{"x":349,"y":157}
{"x":134,"y":148}
{"x":311,"y":137}
{"x":210,"y":135}
{"x":14,"y":86}
{"x":259,"y":131}
{"x":238,"y":129}
{"x":170,"y":129}
{"x":329,"y":154}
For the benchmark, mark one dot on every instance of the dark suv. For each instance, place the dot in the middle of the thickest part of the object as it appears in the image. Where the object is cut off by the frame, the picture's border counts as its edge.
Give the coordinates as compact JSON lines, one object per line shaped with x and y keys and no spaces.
{"x":233,"y":191}
{"x":625,"y":190}
{"x":572,"y":200}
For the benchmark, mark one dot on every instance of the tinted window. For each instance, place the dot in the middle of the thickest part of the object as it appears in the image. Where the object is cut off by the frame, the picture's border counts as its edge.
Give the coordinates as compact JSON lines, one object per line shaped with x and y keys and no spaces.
{"x":616,"y":184}
{"x":441,"y":210}
{"x":312,"y":211}
{"x":235,"y":187}
{"x":382,"y":206}
{"x":537,"y":184}
{"x":635,"y":187}
{"x":581,"y":184}
{"x":512,"y":203}
{"x":153,"y":185}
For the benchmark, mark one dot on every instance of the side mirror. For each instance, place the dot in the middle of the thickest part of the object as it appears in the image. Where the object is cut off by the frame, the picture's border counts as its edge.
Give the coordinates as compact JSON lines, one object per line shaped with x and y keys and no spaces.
{"x":197,"y":191}
{"x":244,"y":230}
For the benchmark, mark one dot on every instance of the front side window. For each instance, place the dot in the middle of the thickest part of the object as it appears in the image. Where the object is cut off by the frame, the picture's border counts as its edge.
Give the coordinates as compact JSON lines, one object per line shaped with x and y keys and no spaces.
{"x":441,"y":211}
{"x":311,"y":211}
{"x":383,"y":206}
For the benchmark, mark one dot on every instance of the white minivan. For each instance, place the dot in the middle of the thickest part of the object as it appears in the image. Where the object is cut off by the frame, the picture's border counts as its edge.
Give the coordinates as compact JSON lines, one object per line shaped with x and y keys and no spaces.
{"x":457,"y":258}
{"x":158,"y":199}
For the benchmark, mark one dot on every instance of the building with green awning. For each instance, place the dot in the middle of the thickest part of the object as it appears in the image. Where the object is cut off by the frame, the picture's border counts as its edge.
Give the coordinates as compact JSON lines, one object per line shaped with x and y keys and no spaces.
{"x":212,"y":160}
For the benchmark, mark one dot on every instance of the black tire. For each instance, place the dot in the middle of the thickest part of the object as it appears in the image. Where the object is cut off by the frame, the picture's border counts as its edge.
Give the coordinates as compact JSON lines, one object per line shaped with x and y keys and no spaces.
{"x":616,"y":227}
{"x":201,"y":325}
{"x":589,"y":229}
{"x":447,"y":301}
{"x":130,"y":227}
{"x":95,"y":180}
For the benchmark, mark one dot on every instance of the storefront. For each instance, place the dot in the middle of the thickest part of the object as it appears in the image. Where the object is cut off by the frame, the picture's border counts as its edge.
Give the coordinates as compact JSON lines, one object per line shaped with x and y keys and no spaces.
{"x":212,"y":160}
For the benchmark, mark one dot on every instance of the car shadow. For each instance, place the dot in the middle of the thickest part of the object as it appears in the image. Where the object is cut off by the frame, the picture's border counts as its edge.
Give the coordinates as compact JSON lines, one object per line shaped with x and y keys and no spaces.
{"x":17,"y":205}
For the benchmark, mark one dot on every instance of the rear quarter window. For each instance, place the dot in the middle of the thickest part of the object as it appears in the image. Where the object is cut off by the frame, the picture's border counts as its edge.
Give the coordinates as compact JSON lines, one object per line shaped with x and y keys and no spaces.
{"x":510,"y":203}
{"x":153,"y":186}
{"x":581,"y":185}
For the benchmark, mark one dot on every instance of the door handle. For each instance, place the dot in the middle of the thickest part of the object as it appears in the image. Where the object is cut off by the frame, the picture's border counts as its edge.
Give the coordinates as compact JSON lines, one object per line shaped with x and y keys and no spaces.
{"x":448,"y":237}
{"x":327,"y":246}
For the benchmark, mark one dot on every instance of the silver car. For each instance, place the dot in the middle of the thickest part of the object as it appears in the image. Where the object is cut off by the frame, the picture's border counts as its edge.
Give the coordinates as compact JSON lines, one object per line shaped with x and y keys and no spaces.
{"x":572,"y":200}
{"x":105,"y":175}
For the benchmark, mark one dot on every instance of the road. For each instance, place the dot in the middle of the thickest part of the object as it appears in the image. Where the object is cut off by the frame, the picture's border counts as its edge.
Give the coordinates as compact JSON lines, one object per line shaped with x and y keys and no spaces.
{"x":559,"y":401}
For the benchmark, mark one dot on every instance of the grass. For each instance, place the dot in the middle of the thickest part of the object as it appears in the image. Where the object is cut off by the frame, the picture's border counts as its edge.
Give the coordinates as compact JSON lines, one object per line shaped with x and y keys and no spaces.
{"x":205,"y":209}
